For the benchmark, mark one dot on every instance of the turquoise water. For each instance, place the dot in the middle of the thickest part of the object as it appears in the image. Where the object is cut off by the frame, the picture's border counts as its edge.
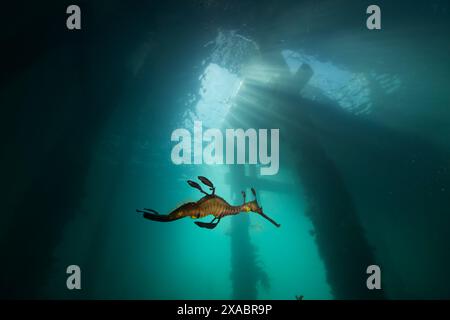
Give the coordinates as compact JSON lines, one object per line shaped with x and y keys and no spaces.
{"x":364,"y":173}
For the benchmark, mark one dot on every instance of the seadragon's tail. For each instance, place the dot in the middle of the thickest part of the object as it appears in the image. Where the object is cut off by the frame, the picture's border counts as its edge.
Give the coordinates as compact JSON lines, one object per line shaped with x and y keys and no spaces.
{"x":151,"y":214}
{"x":155,"y":216}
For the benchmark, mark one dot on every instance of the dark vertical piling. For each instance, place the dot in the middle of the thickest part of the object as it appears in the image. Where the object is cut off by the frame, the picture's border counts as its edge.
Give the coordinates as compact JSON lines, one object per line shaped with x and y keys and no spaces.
{"x":246,"y":274}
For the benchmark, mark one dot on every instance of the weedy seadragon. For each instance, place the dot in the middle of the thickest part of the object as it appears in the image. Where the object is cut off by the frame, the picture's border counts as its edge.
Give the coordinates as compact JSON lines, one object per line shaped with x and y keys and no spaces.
{"x":210,"y":204}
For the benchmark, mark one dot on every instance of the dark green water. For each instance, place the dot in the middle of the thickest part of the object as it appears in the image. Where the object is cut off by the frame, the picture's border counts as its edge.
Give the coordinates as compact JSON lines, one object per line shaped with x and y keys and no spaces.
{"x":364,"y":175}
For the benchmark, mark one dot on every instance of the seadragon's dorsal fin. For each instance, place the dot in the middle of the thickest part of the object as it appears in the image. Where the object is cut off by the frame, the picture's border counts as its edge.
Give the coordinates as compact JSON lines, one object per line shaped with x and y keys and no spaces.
{"x":208,"y":183}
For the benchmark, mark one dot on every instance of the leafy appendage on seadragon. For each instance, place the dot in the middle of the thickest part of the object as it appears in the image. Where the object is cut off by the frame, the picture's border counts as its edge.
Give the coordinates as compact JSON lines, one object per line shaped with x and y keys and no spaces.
{"x":210,"y":204}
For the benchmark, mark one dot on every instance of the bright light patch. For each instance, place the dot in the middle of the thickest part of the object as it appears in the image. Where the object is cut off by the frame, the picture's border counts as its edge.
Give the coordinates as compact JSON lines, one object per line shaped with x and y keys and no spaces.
{"x":349,"y":89}
{"x":218,"y":87}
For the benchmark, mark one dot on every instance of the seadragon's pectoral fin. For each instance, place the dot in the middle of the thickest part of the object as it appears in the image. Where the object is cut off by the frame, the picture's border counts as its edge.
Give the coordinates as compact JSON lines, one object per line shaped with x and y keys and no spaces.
{"x":208,"y":225}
